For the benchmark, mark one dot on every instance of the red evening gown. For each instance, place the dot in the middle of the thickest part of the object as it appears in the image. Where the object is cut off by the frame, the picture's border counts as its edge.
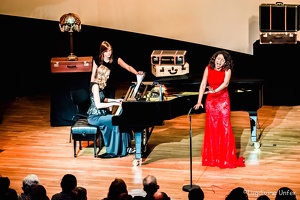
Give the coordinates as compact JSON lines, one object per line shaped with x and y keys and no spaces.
{"x":219,"y":142}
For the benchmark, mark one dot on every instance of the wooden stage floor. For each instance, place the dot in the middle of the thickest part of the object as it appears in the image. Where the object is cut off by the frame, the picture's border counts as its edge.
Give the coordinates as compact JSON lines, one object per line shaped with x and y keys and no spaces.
{"x":28,"y":144}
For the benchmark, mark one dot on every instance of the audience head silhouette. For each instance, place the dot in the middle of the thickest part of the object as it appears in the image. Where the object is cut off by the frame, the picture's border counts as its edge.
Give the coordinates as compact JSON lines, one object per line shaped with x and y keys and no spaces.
{"x":38,"y":192}
{"x":68,"y":183}
{"x":9,"y":194}
{"x":263,"y":197}
{"x":79,"y":193}
{"x":150,"y":184}
{"x":196,"y":194}
{"x":161,"y":196}
{"x":237,"y":193}
{"x":285,"y":193}
{"x":4,"y":184}
{"x":29,"y":181}
{"x":118,"y":190}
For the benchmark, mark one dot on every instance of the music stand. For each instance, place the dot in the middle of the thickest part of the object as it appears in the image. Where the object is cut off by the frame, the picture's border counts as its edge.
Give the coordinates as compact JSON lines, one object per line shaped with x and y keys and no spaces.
{"x":188,"y":188}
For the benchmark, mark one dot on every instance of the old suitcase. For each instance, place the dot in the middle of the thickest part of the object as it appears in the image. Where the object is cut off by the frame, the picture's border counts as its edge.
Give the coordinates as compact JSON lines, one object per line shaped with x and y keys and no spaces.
{"x":278,"y":38}
{"x":170,"y":70}
{"x":279,"y":17}
{"x":62,"y":65}
{"x":169,"y":63}
{"x":168,"y":57}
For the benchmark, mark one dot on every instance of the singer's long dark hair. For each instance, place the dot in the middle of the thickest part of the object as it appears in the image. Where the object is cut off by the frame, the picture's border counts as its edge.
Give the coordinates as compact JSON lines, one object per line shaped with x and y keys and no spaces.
{"x":228,"y":60}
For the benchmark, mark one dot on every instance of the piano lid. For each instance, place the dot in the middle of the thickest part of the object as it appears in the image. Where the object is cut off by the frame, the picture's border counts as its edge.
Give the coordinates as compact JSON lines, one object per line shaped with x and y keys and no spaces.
{"x":196,"y":79}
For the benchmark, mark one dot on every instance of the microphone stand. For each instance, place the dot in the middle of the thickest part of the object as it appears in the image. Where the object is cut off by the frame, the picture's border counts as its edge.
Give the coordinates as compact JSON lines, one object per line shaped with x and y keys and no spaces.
{"x":190,"y":187}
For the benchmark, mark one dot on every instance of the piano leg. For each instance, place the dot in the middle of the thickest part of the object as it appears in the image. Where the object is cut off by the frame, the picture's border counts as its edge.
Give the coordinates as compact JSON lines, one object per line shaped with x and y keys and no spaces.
{"x":141,"y":137}
{"x":138,"y":147}
{"x":253,"y":128}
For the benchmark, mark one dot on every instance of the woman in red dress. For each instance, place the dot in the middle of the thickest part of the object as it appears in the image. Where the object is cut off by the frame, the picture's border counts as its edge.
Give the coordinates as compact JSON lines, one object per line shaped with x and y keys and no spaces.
{"x":219,"y":147}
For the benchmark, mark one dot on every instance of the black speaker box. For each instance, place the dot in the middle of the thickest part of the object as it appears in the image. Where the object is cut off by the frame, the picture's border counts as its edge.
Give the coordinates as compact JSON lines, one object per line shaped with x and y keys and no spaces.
{"x":279,"y":17}
{"x":281,"y":87}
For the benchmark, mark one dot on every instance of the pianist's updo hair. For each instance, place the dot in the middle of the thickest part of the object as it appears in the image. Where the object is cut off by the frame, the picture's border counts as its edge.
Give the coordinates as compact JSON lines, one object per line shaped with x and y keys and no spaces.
{"x":228,"y":60}
{"x":100,"y":76}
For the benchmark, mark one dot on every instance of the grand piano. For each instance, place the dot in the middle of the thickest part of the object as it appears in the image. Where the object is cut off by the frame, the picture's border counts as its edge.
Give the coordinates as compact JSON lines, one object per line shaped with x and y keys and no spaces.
{"x":167,"y":98}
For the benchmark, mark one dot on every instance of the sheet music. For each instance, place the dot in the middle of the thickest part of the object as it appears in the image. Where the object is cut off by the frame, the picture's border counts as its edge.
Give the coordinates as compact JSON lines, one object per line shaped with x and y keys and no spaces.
{"x":139,"y":79}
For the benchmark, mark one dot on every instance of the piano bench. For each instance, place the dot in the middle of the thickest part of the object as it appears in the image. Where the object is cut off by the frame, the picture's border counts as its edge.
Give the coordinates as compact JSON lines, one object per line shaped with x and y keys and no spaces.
{"x":83,"y":131}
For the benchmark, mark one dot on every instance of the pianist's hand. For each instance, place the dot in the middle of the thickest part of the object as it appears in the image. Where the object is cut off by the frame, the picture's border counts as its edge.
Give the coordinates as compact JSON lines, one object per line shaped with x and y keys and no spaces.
{"x":198,"y":105}
{"x":119,"y":100}
{"x":115,"y":100}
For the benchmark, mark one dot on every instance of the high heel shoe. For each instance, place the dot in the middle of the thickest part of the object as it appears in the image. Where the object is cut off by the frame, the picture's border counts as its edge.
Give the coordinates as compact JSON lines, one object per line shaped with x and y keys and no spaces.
{"x":107,"y":155}
{"x":241,"y":162}
{"x":131,"y":150}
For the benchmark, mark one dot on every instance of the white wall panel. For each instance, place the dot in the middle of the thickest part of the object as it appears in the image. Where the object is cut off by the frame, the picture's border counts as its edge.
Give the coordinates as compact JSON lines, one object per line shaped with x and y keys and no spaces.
{"x":230,"y":24}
